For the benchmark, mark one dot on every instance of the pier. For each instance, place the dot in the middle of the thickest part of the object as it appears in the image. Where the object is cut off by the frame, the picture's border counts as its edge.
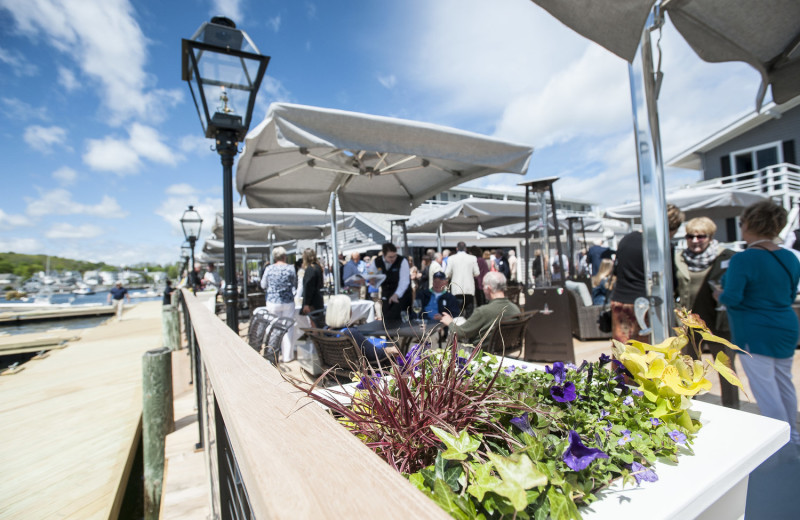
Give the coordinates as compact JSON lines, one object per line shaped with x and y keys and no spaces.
{"x":57,"y":313}
{"x":71,"y":422}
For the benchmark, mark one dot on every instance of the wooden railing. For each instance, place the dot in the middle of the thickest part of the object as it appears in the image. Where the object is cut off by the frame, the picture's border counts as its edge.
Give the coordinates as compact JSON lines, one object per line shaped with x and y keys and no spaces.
{"x":272,"y":453}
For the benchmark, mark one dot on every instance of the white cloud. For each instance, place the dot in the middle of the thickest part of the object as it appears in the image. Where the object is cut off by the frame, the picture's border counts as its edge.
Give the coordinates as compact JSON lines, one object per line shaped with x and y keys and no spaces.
{"x":179,"y":198}
{"x":10,"y":221}
{"x":63,"y":230}
{"x":17,"y":62}
{"x":196,"y":145}
{"x":125,"y":156}
{"x":21,"y":245}
{"x":67,"y":79}
{"x":388,"y":81}
{"x":229,"y":8}
{"x":65,"y":175}
{"x":274,"y":23}
{"x":19,"y":110}
{"x":108,"y":46}
{"x":45,"y":139}
{"x":186,"y":190}
{"x":59,"y":202}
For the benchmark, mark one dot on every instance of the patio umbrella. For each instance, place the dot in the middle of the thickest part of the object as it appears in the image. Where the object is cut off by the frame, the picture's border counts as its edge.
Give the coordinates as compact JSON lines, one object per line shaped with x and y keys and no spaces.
{"x":256,"y":225}
{"x":762,"y":33}
{"x":467,"y":215}
{"x":711,"y":203}
{"x":307,"y":157}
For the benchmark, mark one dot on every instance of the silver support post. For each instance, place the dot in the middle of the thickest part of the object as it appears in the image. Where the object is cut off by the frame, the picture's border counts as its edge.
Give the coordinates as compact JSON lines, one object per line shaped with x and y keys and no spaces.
{"x":546,"y":275}
{"x":439,"y":238}
{"x":335,"y":239}
{"x":656,"y":240}
{"x":244,"y":274}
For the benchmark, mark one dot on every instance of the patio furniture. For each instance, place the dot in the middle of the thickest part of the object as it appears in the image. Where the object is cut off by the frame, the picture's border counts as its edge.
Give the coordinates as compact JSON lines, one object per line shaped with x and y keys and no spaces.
{"x":336,"y":351}
{"x":584,"y":319}
{"x":510,"y":335}
{"x":266,"y":331}
{"x":513,"y":292}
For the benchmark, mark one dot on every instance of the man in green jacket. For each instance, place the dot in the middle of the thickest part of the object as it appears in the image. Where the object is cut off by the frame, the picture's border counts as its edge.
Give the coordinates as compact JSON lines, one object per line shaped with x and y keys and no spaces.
{"x":494,"y":287}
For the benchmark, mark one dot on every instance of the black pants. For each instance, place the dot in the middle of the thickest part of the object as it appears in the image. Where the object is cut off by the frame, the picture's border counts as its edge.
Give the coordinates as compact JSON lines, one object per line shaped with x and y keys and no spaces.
{"x":467,"y":303}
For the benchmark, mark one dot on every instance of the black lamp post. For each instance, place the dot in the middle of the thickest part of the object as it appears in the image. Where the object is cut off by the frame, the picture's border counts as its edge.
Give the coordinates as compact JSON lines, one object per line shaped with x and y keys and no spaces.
{"x":223,"y":64}
{"x":186,"y":253}
{"x":191,"y":224}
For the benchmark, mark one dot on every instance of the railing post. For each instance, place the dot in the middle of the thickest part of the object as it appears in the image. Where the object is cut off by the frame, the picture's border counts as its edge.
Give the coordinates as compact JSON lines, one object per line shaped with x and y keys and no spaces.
{"x":157,"y":421}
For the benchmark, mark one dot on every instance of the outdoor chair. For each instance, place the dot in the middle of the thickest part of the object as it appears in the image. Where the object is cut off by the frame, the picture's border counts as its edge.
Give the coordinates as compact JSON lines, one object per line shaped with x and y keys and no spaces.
{"x":513,"y":292}
{"x":509,"y":334}
{"x":317,"y":318}
{"x":584,"y":319}
{"x":336,"y":350}
{"x":266,"y":332}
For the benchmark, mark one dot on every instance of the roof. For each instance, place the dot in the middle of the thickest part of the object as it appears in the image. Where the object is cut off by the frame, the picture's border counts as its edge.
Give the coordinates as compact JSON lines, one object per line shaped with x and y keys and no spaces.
{"x":691,"y":157}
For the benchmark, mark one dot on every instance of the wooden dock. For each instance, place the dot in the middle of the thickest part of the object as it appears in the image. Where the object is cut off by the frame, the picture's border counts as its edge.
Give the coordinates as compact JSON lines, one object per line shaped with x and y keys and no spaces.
{"x":70,"y":423}
{"x":58,"y":313}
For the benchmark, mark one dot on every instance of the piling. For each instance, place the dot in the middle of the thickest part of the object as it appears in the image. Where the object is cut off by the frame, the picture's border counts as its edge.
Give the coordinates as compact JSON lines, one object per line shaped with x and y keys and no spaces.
{"x":157,"y":422}
{"x":170,"y":328}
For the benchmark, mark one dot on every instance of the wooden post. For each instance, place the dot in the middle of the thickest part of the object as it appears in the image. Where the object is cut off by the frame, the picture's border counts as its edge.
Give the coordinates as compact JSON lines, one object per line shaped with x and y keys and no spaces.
{"x":170,"y":328}
{"x":157,"y":421}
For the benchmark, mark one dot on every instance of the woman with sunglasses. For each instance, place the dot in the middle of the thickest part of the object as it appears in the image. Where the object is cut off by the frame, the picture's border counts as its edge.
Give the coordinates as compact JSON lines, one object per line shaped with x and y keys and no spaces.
{"x":699,"y":268}
{"x":758,"y":291}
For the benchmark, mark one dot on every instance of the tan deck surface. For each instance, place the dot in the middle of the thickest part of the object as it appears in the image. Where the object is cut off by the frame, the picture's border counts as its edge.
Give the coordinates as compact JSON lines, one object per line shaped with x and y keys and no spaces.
{"x":69,"y":422}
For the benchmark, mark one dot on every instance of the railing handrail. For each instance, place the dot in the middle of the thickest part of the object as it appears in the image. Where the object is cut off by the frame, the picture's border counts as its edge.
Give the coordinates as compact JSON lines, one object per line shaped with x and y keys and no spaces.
{"x":784,"y":174}
{"x":296,"y":461}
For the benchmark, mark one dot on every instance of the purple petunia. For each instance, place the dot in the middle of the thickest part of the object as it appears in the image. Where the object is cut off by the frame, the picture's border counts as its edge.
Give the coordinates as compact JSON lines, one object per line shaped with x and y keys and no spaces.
{"x":523,"y":424}
{"x":564,"y":394}
{"x":641,"y":473}
{"x":578,"y":456}
{"x":604,"y":359}
{"x":368,"y":381}
{"x":628,"y":401}
{"x":655,"y":421}
{"x":509,"y":370}
{"x":412,"y":358}
{"x":637,"y":393}
{"x":607,"y":428}
{"x":571,"y":366}
{"x":603,"y":414}
{"x":558,"y":371}
{"x":626,"y":437}
{"x":677,"y":437}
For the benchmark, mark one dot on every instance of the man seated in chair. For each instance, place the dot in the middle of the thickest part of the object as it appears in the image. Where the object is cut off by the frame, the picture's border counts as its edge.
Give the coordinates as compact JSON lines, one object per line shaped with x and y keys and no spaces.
{"x":471,"y":330}
{"x":437,"y":300}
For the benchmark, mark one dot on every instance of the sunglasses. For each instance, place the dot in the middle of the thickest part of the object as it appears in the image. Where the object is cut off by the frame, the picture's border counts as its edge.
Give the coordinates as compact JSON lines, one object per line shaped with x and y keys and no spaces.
{"x":698,"y":237}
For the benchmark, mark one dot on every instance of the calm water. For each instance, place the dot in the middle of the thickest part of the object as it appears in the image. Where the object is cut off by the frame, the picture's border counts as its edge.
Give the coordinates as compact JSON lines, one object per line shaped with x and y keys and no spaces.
{"x":74,"y":323}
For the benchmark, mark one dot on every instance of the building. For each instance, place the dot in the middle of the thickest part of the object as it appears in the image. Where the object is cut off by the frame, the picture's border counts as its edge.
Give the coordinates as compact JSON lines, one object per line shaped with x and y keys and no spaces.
{"x":757,"y":153}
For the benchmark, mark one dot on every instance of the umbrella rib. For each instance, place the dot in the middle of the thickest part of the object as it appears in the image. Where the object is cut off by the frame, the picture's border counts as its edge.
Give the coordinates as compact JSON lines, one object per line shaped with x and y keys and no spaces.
{"x":287,"y":170}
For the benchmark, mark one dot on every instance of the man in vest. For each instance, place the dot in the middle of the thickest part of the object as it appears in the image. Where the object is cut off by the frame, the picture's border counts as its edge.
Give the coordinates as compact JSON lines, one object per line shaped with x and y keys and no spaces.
{"x":396,"y":289}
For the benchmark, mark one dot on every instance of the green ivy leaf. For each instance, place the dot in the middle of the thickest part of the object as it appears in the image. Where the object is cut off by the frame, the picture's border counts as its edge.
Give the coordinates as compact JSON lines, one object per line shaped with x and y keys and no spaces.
{"x":482,"y":480}
{"x":518,"y":469}
{"x":559,"y":505}
{"x":457,"y":447}
{"x":447,"y":500}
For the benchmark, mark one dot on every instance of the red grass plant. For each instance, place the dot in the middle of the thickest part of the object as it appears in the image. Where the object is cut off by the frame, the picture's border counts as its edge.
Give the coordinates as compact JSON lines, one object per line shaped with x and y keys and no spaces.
{"x":393,"y":415}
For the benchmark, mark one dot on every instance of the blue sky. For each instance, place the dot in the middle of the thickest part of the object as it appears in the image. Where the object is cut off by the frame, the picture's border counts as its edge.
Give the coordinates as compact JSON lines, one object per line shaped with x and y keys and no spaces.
{"x":102,"y":149}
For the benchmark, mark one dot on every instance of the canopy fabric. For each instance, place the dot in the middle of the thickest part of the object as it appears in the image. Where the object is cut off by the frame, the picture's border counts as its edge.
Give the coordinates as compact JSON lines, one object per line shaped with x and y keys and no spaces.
{"x":299,"y":155}
{"x":762,"y":33}
{"x":255,"y":225}
{"x":590,"y":224}
{"x":695,"y":202}
{"x":215,"y":247}
{"x":468,"y":215}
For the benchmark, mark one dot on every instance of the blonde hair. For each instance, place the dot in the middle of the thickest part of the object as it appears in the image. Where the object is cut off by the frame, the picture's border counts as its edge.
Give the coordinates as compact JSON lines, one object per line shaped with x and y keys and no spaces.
{"x":605,"y":270}
{"x":309,"y":257}
{"x":702,"y":225}
{"x":764,"y":219}
{"x":337,"y":313}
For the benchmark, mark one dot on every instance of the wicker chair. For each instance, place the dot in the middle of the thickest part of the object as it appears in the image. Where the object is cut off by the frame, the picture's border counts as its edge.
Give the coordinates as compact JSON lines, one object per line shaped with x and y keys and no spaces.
{"x":510,"y":334}
{"x":336,"y":351}
{"x":584,"y":319}
{"x":267,"y":331}
{"x":512,"y":293}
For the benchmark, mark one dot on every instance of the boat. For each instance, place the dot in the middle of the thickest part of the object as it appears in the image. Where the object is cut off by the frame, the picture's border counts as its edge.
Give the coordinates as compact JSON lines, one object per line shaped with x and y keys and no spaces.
{"x":83,"y":289}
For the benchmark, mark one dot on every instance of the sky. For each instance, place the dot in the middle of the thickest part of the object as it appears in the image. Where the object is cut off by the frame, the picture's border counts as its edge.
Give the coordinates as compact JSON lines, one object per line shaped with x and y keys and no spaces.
{"x":102,"y":149}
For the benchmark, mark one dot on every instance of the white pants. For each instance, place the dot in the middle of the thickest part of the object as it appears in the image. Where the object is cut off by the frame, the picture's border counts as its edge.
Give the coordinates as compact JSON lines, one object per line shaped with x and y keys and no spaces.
{"x":771,"y":382}
{"x":284,"y":310}
{"x":119,"y":304}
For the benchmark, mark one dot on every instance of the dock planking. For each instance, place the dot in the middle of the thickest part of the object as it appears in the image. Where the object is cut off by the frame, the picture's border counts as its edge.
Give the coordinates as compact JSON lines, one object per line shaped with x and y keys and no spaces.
{"x":70,"y":422}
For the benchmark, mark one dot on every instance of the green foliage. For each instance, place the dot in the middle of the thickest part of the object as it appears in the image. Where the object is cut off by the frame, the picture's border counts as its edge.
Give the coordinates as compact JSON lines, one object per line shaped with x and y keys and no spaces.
{"x":27,"y":265}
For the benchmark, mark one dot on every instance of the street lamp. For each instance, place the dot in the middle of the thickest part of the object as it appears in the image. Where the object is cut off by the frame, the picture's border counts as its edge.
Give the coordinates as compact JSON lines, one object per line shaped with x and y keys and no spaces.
{"x":191,"y":224}
{"x":222,"y":63}
{"x":186,"y":253}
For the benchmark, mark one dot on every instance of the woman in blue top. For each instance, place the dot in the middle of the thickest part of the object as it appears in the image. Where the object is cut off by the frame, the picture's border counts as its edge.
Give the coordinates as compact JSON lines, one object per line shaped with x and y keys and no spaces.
{"x":279,"y":282}
{"x":759,"y":289}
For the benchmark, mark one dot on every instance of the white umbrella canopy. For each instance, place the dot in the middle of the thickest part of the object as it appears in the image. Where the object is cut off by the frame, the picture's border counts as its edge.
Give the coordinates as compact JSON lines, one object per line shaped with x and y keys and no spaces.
{"x":299,"y":155}
{"x":215,"y":247}
{"x":469,"y":215}
{"x":762,"y":33}
{"x":255,"y":225}
{"x":517,"y":230}
{"x":694,"y":202}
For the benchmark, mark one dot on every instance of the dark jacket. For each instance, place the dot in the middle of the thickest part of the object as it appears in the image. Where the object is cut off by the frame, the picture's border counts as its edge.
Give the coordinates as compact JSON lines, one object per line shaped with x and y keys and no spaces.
{"x":312,"y":287}
{"x":447,"y":303}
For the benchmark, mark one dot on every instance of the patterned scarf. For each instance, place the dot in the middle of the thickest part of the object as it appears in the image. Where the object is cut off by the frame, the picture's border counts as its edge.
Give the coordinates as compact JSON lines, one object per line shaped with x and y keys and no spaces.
{"x":699,"y":261}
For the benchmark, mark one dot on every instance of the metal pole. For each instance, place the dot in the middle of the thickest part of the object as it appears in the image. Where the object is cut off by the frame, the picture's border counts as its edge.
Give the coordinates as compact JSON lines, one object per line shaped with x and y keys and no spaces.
{"x":227,"y":147}
{"x":527,"y":237}
{"x":191,"y":273}
{"x":655,"y":233}
{"x":571,"y":246}
{"x":563,"y":276}
{"x":244,"y":274}
{"x":337,"y":283}
{"x":546,"y":274}
{"x":439,"y":237}
{"x":406,"y":250}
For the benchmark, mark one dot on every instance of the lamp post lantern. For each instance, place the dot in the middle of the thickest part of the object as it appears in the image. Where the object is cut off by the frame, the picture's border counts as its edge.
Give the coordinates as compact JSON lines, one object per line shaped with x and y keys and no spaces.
{"x":191,"y":224}
{"x":224,"y":66}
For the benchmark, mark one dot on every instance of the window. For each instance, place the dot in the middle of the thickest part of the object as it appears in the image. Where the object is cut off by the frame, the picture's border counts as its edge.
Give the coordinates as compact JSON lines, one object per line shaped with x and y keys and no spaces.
{"x":756,"y":158}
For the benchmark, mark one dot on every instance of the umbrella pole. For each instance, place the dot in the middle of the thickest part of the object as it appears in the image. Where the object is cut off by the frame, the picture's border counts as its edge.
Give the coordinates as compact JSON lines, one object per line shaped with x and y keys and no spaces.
{"x":563,"y":276}
{"x":527,"y":237}
{"x":244,"y":274}
{"x":655,"y":233}
{"x":334,"y":235}
{"x":439,"y":237}
{"x":406,"y":250}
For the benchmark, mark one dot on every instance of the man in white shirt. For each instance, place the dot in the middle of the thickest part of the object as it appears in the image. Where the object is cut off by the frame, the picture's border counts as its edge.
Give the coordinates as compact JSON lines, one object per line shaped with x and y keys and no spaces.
{"x":462,"y":268}
{"x":212,"y":278}
{"x":436,"y":266}
{"x":512,"y":265}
